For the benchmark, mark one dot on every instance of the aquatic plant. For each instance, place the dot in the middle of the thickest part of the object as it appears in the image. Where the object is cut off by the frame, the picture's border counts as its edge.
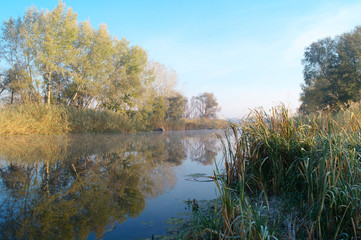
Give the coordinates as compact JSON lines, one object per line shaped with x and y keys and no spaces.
{"x":31,"y":119}
{"x":309,"y":164}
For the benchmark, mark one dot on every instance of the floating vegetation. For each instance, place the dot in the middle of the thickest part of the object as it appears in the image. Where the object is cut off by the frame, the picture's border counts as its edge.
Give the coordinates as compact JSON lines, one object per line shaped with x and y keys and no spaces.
{"x":199,"y":177}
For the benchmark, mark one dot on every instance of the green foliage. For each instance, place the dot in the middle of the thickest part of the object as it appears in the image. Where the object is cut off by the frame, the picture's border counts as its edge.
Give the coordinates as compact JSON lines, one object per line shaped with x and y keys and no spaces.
{"x":313,"y":159}
{"x":235,"y":216}
{"x":332,"y":73}
{"x":176,"y":106}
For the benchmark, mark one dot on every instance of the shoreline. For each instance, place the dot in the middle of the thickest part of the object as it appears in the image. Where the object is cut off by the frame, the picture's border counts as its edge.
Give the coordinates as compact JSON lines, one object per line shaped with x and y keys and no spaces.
{"x":58,"y":120}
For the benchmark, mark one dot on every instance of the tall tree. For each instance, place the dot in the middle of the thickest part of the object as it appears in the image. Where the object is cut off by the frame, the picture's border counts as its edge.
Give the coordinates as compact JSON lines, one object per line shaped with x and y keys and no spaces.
{"x":165,"y":80}
{"x":53,"y":58}
{"x":349,"y":75}
{"x":55,"y":48}
{"x":332,"y":73}
{"x":320,"y":62}
{"x":19,"y":57}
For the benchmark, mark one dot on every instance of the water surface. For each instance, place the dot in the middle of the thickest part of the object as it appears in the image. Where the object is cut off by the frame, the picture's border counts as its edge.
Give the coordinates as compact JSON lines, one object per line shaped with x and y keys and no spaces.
{"x":102,"y":186}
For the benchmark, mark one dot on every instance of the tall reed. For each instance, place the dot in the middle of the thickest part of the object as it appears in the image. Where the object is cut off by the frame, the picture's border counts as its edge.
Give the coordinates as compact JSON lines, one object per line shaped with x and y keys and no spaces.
{"x":33,"y":119}
{"x":57,"y":119}
{"x":234,"y":217}
{"x":310,"y":164}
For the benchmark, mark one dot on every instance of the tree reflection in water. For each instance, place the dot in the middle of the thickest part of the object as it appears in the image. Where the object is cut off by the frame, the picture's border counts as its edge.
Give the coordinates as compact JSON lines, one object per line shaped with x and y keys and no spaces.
{"x":203,"y":149}
{"x":65,"y":187}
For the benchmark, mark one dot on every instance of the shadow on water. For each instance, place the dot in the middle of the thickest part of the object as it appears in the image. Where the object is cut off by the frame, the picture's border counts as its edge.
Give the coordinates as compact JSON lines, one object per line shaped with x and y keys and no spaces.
{"x":66,"y":187}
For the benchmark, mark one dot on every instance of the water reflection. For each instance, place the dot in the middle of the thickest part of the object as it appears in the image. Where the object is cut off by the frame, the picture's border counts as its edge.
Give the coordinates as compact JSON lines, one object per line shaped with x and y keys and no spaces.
{"x":203,"y":149}
{"x":65,"y":187}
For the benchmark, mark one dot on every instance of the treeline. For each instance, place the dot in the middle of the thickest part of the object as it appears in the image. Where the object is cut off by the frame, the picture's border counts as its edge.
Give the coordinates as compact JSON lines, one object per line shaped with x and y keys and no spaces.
{"x":53,"y":59}
{"x":332,"y":73}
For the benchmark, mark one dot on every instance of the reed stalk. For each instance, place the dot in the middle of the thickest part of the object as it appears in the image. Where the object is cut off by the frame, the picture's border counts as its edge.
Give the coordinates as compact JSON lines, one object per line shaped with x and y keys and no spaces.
{"x":309,"y":164}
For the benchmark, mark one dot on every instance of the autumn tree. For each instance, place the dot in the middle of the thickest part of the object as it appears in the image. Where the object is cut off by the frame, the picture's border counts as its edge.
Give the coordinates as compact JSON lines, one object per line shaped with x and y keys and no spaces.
{"x":161,"y":92}
{"x":176,"y":107}
{"x":165,"y":80}
{"x":18,"y":54}
{"x":65,"y":61}
{"x":50,"y":57}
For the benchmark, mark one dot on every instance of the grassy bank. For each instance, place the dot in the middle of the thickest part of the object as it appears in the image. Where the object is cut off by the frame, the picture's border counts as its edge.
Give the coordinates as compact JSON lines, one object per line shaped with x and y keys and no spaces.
{"x":288,"y":177}
{"x":56,"y":119}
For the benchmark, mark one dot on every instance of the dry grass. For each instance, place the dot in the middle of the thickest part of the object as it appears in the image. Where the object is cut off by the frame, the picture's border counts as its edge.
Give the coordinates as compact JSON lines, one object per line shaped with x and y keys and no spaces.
{"x":33,"y":119}
{"x":37,"y":119}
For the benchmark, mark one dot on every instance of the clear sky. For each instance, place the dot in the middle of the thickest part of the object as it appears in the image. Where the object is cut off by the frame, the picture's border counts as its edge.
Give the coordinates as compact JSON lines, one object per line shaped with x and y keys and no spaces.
{"x":248,"y":53}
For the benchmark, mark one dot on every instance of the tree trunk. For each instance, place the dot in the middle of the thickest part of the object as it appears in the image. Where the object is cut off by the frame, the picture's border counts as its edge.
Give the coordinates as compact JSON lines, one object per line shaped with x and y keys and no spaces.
{"x":12,"y":97}
{"x":49,"y":94}
{"x":74,"y":97}
{"x":49,"y":89}
{"x":88,"y":103}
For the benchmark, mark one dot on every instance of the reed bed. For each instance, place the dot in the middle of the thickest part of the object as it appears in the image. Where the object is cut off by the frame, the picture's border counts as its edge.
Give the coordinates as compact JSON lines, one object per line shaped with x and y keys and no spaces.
{"x":310,"y":167}
{"x":33,"y":119}
{"x":104,"y":121}
{"x":39,"y":119}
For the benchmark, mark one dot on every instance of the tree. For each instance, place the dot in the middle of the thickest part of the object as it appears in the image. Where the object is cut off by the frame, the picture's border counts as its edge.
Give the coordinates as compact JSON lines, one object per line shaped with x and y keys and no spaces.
{"x":54,"y":46}
{"x":349,"y":68}
{"x":18,"y":55}
{"x":332,"y":73}
{"x":165,"y":80}
{"x":52,"y":58}
{"x":205,"y":105}
{"x":320,"y":61}
{"x":176,"y":107}
{"x":14,"y":82}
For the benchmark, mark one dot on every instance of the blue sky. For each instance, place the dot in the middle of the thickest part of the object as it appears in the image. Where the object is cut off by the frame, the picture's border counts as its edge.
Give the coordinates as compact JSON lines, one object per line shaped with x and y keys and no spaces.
{"x":248,"y":53}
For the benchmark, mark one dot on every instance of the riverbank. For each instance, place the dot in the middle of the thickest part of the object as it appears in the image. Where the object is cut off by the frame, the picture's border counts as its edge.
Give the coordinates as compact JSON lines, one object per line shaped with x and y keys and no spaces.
{"x":55,"y":119}
{"x":288,"y":177}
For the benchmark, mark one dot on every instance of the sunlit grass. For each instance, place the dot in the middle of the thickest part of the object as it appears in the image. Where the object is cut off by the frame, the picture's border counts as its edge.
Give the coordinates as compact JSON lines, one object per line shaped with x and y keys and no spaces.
{"x":35,"y":119}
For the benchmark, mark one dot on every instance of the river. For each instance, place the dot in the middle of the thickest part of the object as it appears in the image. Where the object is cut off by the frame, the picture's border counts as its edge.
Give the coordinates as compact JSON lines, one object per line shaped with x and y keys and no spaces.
{"x":114,"y":186}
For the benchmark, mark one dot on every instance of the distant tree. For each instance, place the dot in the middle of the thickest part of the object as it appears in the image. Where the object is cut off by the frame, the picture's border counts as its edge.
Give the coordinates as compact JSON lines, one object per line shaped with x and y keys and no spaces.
{"x":176,"y":107}
{"x":205,"y":105}
{"x":188,"y":109}
{"x":165,"y":79}
{"x":158,"y":112}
